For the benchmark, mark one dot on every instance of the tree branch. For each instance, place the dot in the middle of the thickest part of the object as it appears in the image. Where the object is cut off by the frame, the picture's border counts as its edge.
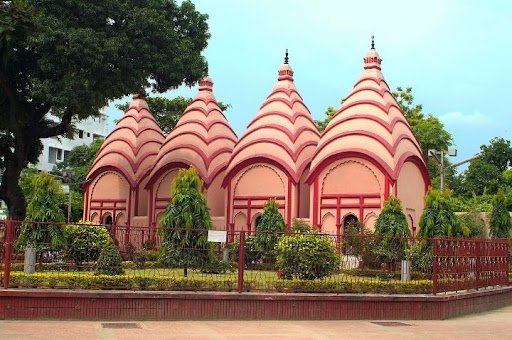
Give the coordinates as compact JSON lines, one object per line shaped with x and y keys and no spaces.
{"x":58,"y":129}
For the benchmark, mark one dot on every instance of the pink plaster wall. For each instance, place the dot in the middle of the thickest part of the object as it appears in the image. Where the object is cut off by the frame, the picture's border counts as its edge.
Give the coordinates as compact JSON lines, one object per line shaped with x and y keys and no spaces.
{"x":411,"y":191}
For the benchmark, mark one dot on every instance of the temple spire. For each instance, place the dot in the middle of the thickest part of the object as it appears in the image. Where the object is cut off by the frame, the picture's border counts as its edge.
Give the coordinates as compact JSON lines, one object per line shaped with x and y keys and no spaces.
{"x":373,"y":43}
{"x":286,"y":57}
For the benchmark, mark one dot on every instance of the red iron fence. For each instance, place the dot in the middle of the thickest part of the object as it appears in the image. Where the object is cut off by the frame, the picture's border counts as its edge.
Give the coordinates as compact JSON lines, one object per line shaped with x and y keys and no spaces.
{"x":462,"y":264}
{"x":246,"y":261}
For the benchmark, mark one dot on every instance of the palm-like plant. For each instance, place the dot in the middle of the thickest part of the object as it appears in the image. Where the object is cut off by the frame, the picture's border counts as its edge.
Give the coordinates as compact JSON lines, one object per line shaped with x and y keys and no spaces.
{"x":186,"y":215}
{"x":500,"y":217}
{"x":392,"y":221}
{"x":438,"y":218}
{"x":43,"y":208}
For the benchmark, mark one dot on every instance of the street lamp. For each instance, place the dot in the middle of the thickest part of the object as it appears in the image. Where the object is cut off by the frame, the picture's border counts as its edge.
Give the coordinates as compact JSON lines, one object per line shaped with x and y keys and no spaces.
{"x":452,"y":152}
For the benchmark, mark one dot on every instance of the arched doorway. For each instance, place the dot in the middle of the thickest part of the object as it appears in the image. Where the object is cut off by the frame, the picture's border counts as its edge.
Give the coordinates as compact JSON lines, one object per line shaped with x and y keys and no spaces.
{"x":351,"y":231}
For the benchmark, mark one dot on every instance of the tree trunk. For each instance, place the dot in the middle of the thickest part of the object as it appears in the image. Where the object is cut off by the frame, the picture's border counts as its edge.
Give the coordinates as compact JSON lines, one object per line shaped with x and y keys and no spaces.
{"x":10,"y":190}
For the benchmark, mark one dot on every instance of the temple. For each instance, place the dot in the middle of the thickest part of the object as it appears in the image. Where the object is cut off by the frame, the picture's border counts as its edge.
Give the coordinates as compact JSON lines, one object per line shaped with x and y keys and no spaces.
{"x":367,"y":152}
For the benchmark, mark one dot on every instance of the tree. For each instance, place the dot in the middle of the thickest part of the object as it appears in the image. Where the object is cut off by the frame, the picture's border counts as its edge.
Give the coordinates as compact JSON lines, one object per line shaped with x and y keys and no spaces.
{"x":38,"y":232}
{"x":428,"y":129}
{"x":500,"y":217}
{"x":497,"y":153}
{"x":481,"y":178}
{"x":429,"y":132}
{"x":78,"y":163}
{"x":69,"y":58}
{"x":392,"y":226}
{"x":43,"y":208}
{"x":270,"y":224}
{"x":167,"y":111}
{"x":438,"y":218}
{"x":392,"y":221}
{"x":329,"y":115}
{"x":184,"y":221}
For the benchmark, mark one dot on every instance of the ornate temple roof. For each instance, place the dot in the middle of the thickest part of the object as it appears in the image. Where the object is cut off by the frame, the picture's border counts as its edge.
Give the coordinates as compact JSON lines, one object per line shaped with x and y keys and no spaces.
{"x":282,"y":132}
{"x":202,"y":137}
{"x":132,"y":146}
{"x":369,"y":124}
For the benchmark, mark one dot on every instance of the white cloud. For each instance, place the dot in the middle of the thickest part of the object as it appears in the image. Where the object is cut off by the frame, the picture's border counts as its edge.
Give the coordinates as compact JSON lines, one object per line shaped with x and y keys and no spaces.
{"x":458,"y":118}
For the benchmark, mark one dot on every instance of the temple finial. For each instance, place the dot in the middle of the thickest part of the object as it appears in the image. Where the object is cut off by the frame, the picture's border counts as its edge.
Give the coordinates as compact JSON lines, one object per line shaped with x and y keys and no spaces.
{"x":373,"y":43}
{"x":286,"y":57}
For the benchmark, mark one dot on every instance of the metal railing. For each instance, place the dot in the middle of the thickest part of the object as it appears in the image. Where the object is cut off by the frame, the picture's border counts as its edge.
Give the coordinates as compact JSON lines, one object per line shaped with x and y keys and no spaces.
{"x":277,"y":262}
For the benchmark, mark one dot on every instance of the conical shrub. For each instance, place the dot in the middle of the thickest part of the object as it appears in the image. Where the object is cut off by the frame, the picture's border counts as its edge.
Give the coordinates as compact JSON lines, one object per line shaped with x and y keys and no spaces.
{"x":109,"y":262}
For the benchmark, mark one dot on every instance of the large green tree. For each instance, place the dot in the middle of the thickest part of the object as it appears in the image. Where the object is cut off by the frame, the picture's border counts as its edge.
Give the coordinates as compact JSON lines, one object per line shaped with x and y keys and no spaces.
{"x":71,"y":57}
{"x":167,"y":111}
{"x":497,"y":153}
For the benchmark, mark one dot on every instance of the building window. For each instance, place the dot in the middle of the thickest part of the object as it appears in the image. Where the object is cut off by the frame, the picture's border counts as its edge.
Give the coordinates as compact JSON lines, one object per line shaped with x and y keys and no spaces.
{"x":88,"y":134}
{"x":66,"y":154}
{"x":80,"y":133}
{"x":52,"y":155}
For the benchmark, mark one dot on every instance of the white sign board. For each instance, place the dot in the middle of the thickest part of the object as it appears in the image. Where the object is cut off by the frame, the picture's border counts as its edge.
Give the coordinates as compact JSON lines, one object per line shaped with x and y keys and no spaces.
{"x":217,"y":235}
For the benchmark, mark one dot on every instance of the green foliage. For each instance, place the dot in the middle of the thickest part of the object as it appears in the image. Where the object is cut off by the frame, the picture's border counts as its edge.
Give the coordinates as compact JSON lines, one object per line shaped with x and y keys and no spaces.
{"x":85,"y":242}
{"x":72,"y":57}
{"x":497,"y":153}
{"x":299,"y":226}
{"x":43,"y":207}
{"x":481,"y":178}
{"x":473,"y":223}
{"x":421,"y":256}
{"x":187,"y":212}
{"x":392,"y":221}
{"x":329,"y":115}
{"x":392,"y":226}
{"x":438,"y":218}
{"x":270,"y":225}
{"x":500,"y":223}
{"x":428,"y":129}
{"x":306,"y":256}
{"x":167,"y":111}
{"x":109,"y":262}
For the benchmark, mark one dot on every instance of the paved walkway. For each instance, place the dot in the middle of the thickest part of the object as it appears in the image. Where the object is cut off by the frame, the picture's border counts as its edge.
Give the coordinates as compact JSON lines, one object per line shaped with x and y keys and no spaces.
{"x":491,"y":325}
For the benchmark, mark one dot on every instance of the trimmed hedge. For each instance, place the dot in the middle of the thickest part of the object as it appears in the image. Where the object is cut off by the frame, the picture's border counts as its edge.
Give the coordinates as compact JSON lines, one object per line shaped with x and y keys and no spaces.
{"x":91,"y":281}
{"x":383,"y":274}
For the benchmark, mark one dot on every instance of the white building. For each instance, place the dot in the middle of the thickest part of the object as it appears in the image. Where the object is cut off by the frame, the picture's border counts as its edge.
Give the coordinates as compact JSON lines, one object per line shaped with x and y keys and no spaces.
{"x":56,"y":149}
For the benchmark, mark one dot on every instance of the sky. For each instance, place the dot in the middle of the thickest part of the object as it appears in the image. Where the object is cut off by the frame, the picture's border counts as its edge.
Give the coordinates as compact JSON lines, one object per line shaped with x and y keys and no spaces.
{"x":456,"y":55}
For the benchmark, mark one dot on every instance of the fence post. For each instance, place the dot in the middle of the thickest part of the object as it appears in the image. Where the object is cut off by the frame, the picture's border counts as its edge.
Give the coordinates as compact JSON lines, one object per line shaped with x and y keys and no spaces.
{"x":9,"y":233}
{"x":241,"y":261}
{"x":434,"y":271}
{"x":478,"y":267}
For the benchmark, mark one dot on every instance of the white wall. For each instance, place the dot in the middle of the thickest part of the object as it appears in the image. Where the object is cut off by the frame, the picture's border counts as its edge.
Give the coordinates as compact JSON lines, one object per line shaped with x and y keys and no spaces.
{"x":91,"y":127}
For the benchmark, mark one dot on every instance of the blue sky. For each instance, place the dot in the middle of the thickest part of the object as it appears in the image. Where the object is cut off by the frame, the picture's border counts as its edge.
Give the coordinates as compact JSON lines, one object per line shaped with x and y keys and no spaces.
{"x":457,"y":56}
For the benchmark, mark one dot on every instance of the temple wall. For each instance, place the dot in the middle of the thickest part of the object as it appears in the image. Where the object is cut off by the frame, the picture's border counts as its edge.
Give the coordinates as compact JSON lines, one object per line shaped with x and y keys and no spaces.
{"x":215,"y":195}
{"x":411,"y":191}
{"x":108,"y":196}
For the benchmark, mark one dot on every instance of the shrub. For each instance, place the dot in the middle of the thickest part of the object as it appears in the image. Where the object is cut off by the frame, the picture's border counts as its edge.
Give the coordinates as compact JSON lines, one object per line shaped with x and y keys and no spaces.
{"x":421,"y":256}
{"x":473,"y":223}
{"x":85,"y":242}
{"x":43,"y":206}
{"x":306,"y":256}
{"x":109,"y":261}
{"x":129,"y":250}
{"x":299,"y":226}
{"x":187,"y":211}
{"x":438,"y":218}
{"x":361,"y":244}
{"x":500,"y":217}
{"x":270,"y":225}
{"x":149,"y":245}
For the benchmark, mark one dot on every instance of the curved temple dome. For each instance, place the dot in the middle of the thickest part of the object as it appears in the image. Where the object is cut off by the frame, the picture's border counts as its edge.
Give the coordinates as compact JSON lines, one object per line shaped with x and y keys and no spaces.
{"x":202,"y":137}
{"x":131,"y":148}
{"x":282,"y":132}
{"x":370,"y":122}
